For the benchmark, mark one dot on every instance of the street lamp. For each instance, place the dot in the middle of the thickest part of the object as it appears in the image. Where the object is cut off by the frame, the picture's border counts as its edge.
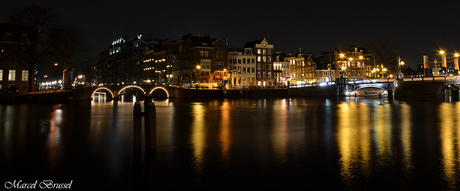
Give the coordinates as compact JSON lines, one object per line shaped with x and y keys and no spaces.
{"x":456,"y":63}
{"x":400,"y":63}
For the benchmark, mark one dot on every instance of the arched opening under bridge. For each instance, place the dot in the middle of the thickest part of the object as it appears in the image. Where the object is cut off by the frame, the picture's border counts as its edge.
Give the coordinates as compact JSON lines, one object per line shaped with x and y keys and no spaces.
{"x":102,"y":94}
{"x":368,"y":91}
{"x":131,"y":93}
{"x":159,"y":93}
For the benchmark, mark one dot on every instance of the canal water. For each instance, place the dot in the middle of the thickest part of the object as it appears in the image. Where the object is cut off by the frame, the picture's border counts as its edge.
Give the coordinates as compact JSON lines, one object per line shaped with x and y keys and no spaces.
{"x":240,"y":144}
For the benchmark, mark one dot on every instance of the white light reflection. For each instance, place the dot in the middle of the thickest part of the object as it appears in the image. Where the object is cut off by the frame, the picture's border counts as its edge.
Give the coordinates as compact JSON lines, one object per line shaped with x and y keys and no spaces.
{"x":54,"y":138}
{"x":281,"y":132}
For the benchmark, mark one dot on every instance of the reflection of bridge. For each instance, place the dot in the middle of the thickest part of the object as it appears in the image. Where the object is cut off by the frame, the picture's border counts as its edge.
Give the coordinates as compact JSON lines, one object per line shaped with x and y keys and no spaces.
{"x":116,"y":91}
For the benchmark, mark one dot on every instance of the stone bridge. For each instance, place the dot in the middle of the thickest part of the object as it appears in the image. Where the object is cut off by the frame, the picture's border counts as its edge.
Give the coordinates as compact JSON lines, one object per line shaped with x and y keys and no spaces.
{"x":350,"y":88}
{"x":116,"y":90}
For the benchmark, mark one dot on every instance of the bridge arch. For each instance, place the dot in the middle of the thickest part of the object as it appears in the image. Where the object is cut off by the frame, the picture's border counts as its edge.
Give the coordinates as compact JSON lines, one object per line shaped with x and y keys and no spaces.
{"x":162,"y":88}
{"x":102,"y":88}
{"x":130,"y":86}
{"x":354,"y":88}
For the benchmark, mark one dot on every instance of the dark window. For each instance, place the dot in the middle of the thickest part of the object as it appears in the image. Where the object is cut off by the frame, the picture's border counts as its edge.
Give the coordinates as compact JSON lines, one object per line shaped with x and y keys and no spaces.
{"x":8,"y":37}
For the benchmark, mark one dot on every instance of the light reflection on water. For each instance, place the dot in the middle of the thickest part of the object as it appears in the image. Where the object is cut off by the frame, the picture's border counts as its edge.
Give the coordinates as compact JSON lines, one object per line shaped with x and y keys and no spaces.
{"x":450,"y":143}
{"x":353,"y":143}
{"x":225,"y":134}
{"x":198,"y":136}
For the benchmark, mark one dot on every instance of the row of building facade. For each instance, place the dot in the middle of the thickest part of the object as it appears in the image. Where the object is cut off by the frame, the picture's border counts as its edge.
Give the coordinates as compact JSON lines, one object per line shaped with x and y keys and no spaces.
{"x":193,"y":60}
{"x":209,"y":62}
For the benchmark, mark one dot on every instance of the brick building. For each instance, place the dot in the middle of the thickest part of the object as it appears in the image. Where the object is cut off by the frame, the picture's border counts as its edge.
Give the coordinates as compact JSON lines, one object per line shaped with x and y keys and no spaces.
{"x":14,"y":56}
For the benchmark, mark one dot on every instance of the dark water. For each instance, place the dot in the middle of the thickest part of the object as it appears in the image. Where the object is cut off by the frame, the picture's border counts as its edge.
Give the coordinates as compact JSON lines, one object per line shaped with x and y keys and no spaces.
{"x":240,"y":144}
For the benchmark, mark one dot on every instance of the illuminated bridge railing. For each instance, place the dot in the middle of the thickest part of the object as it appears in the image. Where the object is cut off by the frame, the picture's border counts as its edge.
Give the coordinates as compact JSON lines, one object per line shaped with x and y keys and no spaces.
{"x":446,"y":79}
{"x":370,"y":81}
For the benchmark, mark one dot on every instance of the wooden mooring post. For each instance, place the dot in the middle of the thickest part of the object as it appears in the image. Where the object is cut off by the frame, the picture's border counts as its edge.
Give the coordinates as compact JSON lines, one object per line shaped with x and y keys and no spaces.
{"x":144,"y":163}
{"x":150,"y":126}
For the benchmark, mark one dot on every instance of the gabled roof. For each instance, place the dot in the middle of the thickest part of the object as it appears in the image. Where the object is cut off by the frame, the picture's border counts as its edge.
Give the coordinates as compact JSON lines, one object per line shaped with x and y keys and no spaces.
{"x":251,"y":44}
{"x":17,"y":31}
{"x":196,"y":40}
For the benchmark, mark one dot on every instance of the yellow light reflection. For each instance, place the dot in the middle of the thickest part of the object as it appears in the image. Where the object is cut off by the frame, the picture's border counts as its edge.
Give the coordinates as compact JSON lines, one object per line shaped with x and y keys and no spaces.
{"x":406,"y":136}
{"x":354,"y":140}
{"x":198,"y":136}
{"x":382,"y":129}
{"x":449,"y":136}
{"x":225,"y":134}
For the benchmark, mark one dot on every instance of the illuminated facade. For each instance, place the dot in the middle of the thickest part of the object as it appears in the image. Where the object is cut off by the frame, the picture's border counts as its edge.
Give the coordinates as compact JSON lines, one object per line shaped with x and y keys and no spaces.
{"x":158,"y":64}
{"x":203,"y":60}
{"x":13,"y":55}
{"x":350,"y":63}
{"x":264,"y":61}
{"x":121,"y":63}
{"x":281,"y":70}
{"x":302,"y":68}
{"x":242,"y":68}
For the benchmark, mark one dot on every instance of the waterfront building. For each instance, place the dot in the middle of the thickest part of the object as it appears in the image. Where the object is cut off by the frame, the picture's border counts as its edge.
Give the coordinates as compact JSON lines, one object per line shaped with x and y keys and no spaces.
{"x":121,"y":62}
{"x":202,"y":60}
{"x":324,"y":71}
{"x":242,"y":70}
{"x":281,"y":69}
{"x":302,"y":68}
{"x":158,"y":62}
{"x":15,"y":44}
{"x":349,"y":63}
{"x":264,"y":61}
{"x":326,"y":67}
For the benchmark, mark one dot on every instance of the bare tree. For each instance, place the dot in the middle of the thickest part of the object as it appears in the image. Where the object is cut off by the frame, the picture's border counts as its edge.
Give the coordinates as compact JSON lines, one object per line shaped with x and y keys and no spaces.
{"x":62,"y":44}
{"x":187,"y":66}
{"x":385,"y":53}
{"x":41,"y":19}
{"x":66,"y":46}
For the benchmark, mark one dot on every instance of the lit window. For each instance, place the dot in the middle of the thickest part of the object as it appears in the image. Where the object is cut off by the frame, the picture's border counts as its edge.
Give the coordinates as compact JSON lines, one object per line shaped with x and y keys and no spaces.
{"x":25,"y":75}
{"x":1,"y":75}
{"x":12,"y":75}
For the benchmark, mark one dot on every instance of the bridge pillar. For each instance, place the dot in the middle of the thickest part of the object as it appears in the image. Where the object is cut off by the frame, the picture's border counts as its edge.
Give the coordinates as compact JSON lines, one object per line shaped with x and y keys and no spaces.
{"x":341,"y":86}
{"x":115,"y":97}
{"x":390,"y":93}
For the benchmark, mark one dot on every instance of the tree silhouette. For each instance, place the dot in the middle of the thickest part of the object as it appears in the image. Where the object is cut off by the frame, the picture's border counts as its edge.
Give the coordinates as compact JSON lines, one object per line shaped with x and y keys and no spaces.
{"x":385,"y":53}
{"x":62,"y":44}
{"x":41,"y":19}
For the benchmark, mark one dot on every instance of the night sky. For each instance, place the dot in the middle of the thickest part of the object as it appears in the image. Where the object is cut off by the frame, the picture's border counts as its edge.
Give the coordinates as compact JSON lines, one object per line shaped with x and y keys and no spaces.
{"x":417,"y":29}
